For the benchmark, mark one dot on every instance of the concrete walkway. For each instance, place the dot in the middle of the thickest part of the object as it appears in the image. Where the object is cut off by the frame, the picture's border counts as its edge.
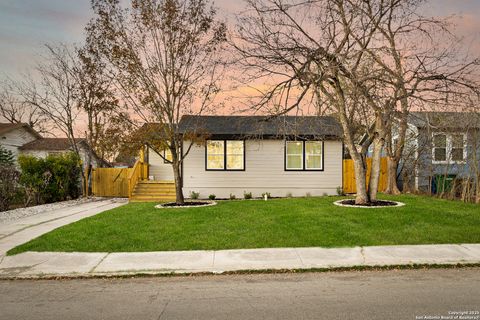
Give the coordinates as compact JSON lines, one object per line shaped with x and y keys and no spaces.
{"x":51,"y":264}
{"x":20,"y":231}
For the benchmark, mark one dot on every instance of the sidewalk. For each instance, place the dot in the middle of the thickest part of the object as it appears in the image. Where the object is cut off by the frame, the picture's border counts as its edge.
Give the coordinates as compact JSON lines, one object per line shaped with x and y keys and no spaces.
{"x":51,"y":264}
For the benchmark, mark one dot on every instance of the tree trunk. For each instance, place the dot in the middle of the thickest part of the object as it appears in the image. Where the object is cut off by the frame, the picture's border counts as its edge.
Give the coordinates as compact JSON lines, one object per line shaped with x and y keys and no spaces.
{"x":360,"y":180}
{"x":179,"y":199}
{"x":392,"y":170}
{"x":375,"y":169}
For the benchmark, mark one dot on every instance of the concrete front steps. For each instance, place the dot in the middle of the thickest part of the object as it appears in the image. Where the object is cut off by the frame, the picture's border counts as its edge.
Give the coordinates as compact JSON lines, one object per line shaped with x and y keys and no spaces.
{"x":154,"y":191}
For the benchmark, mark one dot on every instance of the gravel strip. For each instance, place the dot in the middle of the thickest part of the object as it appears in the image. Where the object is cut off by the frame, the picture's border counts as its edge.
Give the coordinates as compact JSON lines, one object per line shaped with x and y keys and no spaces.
{"x":16,"y":214}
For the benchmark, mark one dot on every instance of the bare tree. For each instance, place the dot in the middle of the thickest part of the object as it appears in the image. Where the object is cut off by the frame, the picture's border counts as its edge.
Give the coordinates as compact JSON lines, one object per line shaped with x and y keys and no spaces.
{"x":317,"y":50}
{"x":96,"y":99}
{"x":166,"y":59}
{"x":356,"y":57}
{"x":14,"y":110}
{"x":53,"y":90}
{"x":423,"y":67}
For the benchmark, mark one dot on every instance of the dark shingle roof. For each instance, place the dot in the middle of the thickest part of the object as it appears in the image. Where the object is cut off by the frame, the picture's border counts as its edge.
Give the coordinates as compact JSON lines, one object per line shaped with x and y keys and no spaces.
{"x":445,"y":119}
{"x":50,"y":144}
{"x":262,"y":126}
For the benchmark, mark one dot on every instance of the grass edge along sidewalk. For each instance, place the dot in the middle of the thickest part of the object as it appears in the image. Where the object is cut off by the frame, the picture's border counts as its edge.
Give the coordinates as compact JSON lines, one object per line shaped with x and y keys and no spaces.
{"x":277,"y":223}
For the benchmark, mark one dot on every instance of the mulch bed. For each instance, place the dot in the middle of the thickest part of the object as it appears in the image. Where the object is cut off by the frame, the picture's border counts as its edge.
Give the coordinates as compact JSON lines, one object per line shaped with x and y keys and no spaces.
{"x":187,"y":204}
{"x":378,"y":203}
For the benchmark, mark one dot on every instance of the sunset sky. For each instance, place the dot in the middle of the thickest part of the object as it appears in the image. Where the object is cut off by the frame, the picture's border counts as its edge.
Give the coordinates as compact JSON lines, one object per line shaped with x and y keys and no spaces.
{"x":25,"y":25}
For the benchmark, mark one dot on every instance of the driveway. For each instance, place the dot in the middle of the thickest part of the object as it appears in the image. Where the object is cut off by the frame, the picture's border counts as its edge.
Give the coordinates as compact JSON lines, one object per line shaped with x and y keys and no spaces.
{"x":16,"y":232}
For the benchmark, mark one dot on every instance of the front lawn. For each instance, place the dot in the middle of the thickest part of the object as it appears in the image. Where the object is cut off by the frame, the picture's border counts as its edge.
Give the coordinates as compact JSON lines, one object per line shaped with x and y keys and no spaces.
{"x":302,"y":222}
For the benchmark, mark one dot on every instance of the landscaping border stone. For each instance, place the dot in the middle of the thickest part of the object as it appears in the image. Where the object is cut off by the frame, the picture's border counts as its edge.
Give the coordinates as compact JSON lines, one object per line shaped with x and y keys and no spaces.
{"x":340,"y":204}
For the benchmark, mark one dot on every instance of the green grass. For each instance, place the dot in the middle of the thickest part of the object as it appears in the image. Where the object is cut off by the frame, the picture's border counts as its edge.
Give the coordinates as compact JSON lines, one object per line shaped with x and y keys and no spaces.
{"x":302,"y":222}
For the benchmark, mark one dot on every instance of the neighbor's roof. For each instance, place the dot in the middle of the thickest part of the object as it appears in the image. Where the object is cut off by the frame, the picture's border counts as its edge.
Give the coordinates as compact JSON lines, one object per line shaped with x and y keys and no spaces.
{"x":50,"y":144}
{"x":7,"y":127}
{"x":445,"y":119}
{"x":262,"y":126}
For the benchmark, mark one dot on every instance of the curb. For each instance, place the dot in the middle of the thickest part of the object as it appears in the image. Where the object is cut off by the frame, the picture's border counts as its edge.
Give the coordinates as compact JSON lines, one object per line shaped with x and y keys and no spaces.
{"x":185,"y":273}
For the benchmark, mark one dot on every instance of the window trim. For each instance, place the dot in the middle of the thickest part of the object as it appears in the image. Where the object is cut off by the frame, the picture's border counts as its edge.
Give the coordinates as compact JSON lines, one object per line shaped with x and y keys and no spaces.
{"x":448,"y":148}
{"x":224,"y":155}
{"x":304,"y":168}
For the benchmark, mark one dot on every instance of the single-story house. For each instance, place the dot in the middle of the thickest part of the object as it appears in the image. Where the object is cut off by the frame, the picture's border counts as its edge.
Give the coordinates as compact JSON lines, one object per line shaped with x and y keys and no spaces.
{"x":284,"y":156}
{"x":21,"y":138}
{"x":41,"y":148}
{"x":440,"y":146}
{"x":15,"y":135}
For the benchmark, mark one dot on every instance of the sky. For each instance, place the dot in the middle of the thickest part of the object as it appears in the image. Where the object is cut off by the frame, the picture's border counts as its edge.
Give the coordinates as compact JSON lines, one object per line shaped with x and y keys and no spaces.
{"x":26,"y":25}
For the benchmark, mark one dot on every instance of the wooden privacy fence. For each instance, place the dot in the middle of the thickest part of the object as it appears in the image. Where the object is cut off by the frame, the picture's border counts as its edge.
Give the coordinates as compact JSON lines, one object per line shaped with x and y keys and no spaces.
{"x":349,"y":175}
{"x":110,"y":182}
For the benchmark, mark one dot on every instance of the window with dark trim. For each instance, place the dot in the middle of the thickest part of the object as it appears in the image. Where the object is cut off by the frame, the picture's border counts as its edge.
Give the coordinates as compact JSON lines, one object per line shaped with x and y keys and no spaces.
{"x":167,"y":156}
{"x":225,"y":155}
{"x":303,"y":155}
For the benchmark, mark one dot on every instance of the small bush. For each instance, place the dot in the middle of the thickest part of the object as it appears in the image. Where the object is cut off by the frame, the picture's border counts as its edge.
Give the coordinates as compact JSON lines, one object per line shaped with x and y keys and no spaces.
{"x":340,"y":191}
{"x":289,"y":195}
{"x":232,"y":196}
{"x":194,"y":195}
{"x":6,"y":157}
{"x":9,"y":177}
{"x":308,"y":195}
{"x":212,"y":197}
{"x":247,"y":195}
{"x":269,"y":196}
{"x":55,"y":178}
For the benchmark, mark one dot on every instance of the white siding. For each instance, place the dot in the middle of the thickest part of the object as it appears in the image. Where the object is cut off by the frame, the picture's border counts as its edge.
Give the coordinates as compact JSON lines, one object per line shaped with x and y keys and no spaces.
{"x":264,"y":172}
{"x":16,"y":138}
{"x":158,"y":168}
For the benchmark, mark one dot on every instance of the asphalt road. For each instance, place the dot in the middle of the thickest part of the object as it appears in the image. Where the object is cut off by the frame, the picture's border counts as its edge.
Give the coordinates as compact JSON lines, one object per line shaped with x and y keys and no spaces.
{"x":408,"y":294}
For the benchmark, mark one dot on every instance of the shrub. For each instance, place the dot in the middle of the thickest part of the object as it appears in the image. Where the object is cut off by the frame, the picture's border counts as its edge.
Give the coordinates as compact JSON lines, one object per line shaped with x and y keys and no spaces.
{"x":340,"y":191}
{"x":9,"y":177}
{"x":289,"y":195}
{"x":266,"y":194}
{"x":247,"y":195}
{"x":308,"y":195}
{"x":194,"y":195}
{"x":55,"y":178}
{"x":212,"y":197}
{"x":6,"y":157}
{"x":232,"y":196}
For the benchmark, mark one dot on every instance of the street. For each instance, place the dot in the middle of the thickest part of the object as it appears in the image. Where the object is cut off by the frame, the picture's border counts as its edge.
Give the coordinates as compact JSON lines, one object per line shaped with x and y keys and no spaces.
{"x":398,"y":294}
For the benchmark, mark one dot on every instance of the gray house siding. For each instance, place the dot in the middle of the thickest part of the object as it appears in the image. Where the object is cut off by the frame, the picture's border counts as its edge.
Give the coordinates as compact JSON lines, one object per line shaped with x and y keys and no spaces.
{"x":426,"y":167}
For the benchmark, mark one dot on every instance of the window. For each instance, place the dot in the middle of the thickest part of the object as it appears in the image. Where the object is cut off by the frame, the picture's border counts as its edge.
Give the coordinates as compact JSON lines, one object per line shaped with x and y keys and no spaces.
{"x":440,"y":147}
{"x":458,"y":146}
{"x":304,"y":155}
{"x":235,"y":155}
{"x":448,"y":147}
{"x":167,"y":156}
{"x":225,"y":155}
{"x":294,"y":155}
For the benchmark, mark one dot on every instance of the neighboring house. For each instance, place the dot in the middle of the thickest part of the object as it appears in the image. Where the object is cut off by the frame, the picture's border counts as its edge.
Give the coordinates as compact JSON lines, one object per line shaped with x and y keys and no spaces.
{"x":440,"y":147}
{"x":41,"y":148}
{"x":15,"y":135}
{"x":20,"y":138}
{"x":285,"y":155}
